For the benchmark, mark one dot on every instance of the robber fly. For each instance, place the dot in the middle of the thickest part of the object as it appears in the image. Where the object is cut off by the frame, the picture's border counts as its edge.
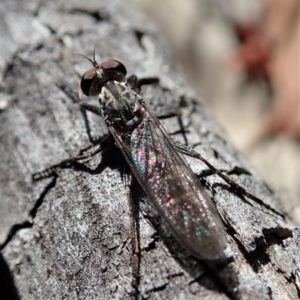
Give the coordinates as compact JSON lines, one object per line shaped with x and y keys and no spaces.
{"x":155,"y":160}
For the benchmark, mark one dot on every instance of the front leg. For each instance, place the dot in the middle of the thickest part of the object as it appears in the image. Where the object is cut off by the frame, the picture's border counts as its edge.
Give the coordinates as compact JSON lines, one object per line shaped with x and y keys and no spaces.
{"x":94,"y":109}
{"x":135,"y":84}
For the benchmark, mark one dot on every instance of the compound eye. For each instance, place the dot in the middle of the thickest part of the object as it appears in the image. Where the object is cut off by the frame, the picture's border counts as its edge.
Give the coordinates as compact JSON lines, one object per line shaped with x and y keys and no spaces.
{"x":87,"y":84}
{"x":114,"y":65}
{"x":113,"y":69}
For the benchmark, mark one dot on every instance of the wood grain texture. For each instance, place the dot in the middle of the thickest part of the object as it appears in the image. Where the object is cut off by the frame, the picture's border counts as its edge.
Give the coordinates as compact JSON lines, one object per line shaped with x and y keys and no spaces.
{"x":68,"y":237}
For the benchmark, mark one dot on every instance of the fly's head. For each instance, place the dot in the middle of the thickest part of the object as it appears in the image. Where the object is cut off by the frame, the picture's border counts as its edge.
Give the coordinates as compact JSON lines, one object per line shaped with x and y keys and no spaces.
{"x":94,"y":79}
{"x":120,"y":105}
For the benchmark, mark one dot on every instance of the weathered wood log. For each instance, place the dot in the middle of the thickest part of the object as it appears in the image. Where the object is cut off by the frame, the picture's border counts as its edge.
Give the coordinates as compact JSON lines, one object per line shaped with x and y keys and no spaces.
{"x":68,"y":236}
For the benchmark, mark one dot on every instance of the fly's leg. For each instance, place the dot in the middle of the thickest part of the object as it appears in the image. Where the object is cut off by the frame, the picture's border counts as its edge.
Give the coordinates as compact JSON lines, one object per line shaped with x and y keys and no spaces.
{"x":188,"y":151}
{"x":94,"y":109}
{"x":135,"y":244}
{"x":71,"y":161}
{"x":136,"y":84}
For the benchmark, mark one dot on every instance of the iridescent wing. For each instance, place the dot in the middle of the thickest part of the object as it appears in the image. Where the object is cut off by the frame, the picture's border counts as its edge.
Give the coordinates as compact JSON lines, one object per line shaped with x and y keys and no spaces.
{"x":174,"y":190}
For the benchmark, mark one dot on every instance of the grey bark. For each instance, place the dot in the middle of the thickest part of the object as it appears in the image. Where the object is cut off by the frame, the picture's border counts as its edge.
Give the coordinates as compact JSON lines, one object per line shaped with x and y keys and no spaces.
{"x":68,"y":237}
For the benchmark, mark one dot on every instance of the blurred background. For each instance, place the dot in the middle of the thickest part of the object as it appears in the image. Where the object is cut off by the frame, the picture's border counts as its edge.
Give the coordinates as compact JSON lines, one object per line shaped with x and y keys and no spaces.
{"x":243,"y":59}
